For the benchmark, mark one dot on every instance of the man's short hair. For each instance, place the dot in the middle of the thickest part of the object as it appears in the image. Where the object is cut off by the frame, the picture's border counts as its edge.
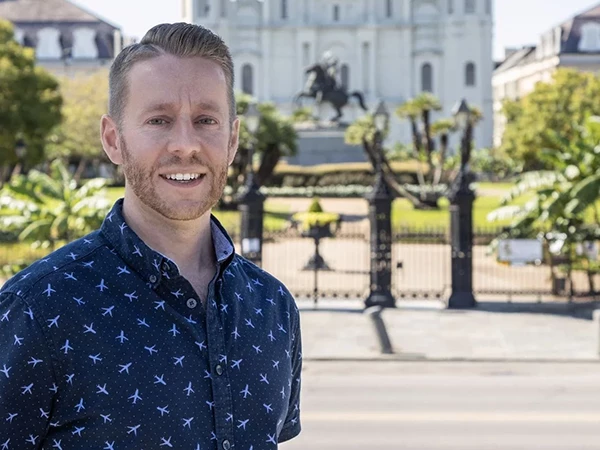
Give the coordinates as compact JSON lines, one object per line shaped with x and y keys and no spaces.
{"x":178,"y":39}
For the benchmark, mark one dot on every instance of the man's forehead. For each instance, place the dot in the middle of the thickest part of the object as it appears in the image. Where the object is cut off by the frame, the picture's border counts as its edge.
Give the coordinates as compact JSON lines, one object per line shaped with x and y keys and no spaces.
{"x":167,"y":79}
{"x":166,"y":70}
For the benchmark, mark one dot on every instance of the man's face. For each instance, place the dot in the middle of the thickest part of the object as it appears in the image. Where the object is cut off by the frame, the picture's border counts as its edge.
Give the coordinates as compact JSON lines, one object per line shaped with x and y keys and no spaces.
{"x":176,"y":142}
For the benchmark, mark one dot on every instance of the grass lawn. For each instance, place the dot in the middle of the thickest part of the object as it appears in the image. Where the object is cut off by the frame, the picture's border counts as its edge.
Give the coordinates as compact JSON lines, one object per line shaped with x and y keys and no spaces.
{"x":404,"y":215}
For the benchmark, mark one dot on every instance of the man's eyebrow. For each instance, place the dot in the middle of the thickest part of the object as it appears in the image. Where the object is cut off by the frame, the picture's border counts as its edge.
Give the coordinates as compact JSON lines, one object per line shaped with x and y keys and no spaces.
{"x":165,"y":106}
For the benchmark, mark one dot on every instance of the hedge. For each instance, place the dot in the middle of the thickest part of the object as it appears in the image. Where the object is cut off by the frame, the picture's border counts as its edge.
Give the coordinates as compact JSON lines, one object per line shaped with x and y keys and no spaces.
{"x":343,"y":174}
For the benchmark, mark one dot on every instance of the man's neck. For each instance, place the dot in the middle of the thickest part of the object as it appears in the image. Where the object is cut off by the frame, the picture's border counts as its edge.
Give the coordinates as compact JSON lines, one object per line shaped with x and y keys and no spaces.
{"x":188,"y":243}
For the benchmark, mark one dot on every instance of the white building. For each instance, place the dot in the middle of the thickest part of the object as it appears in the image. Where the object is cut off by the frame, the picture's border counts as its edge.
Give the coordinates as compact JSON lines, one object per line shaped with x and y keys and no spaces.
{"x":573,"y":44}
{"x":388,"y":49}
{"x":67,"y":38}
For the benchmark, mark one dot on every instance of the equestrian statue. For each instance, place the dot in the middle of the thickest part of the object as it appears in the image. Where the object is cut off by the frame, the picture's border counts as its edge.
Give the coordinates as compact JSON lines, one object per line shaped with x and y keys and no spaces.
{"x":323,"y":86}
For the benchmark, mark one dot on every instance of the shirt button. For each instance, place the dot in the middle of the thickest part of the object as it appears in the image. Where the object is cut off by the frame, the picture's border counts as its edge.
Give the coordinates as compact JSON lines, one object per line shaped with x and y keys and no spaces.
{"x":191,"y":303}
{"x":165,"y":267}
{"x":219,"y":369}
{"x":152,"y":278}
{"x":226,"y":445}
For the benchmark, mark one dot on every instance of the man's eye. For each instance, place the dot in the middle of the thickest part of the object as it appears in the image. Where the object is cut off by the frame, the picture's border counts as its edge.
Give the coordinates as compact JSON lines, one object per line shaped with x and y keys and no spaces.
{"x":157,"y":121}
{"x":207,"y":121}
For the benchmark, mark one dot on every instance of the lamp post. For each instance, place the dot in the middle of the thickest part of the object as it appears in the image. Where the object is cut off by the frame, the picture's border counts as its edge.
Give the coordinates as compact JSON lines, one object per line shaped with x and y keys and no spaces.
{"x":20,"y":152}
{"x":461,"y":198}
{"x":380,"y":206}
{"x":251,"y":200}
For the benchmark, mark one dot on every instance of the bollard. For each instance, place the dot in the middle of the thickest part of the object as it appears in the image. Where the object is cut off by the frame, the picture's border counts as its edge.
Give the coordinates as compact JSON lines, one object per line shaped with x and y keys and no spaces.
{"x":596,"y":316}
{"x":374,"y":313}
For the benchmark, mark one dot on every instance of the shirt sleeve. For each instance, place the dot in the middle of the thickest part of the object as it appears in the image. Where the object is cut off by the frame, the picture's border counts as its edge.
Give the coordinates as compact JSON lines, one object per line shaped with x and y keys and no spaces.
{"x":26,"y":376}
{"x":292,"y":426}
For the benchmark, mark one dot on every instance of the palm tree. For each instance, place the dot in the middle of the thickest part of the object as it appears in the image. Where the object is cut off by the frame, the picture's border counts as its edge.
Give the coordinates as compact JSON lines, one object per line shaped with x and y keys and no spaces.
{"x":421,"y":108}
{"x":51,"y":208}
{"x":362,"y":132}
{"x":442,"y":129}
{"x":275,"y":138}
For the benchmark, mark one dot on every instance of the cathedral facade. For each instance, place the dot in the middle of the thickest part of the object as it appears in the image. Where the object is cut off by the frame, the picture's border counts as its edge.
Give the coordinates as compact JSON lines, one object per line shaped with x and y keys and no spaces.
{"x":390,"y":50}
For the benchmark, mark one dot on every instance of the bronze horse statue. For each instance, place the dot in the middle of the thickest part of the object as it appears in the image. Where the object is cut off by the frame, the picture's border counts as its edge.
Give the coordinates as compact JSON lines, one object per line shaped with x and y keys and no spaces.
{"x":322,"y":88}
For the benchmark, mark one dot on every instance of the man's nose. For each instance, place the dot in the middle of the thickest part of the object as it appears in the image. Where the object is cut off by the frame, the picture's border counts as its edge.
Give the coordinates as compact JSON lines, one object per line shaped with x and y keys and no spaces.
{"x":184,"y":139}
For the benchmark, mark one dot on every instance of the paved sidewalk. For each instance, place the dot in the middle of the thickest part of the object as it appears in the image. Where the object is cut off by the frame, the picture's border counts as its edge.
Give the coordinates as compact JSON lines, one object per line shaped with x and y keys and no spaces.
{"x":339,"y":330}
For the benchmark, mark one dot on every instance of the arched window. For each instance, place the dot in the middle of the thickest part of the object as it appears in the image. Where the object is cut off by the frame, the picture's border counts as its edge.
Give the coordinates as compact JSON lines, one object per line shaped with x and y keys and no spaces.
{"x":488,"y":7}
{"x":388,"y":9}
{"x":247,"y":79}
{"x":469,"y":6}
{"x":284,"y":9}
{"x":336,"y":13}
{"x":345,"y":76}
{"x":470,"y":74}
{"x":224,"y":8}
{"x":48,"y":44}
{"x":84,"y":44}
{"x":590,"y":38}
{"x":426,"y":78}
{"x":450,"y":6}
{"x":20,"y":36}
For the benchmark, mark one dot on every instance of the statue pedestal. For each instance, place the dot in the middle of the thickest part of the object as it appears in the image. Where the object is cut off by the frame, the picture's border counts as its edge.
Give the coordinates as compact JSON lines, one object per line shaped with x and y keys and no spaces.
{"x":323,"y":143}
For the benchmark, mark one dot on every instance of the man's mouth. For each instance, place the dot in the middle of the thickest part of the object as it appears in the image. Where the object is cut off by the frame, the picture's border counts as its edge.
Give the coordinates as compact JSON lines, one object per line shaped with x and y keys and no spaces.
{"x":183,"y":177}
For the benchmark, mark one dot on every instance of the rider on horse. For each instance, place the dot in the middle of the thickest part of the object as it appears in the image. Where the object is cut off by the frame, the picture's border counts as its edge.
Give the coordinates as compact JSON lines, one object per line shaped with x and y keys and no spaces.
{"x":316,"y":86}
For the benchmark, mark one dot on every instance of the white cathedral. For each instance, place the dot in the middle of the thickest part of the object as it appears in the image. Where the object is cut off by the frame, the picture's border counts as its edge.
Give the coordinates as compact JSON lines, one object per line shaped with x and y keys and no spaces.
{"x":390,"y":50}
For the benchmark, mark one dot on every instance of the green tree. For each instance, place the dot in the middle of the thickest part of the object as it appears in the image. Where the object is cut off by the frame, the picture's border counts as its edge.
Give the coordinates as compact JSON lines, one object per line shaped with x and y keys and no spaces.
{"x":558,"y":105}
{"x":275,"y":138}
{"x":47,"y":209}
{"x":30,"y":103}
{"x":77,"y":138}
{"x":418,"y":110}
{"x":441,"y":128}
{"x":362,"y":132}
{"x":563,"y":204}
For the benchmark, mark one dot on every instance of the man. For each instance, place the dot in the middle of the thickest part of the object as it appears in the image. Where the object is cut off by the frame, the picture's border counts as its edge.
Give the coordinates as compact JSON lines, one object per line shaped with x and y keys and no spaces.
{"x":151,"y":332}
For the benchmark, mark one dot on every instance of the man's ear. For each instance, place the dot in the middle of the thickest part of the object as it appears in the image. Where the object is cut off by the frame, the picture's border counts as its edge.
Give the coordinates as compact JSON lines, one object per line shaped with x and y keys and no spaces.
{"x":109,"y":133}
{"x":234,"y":140}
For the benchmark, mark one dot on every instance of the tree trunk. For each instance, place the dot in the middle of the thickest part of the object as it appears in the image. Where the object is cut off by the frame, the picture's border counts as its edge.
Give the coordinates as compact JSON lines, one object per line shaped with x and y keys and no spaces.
{"x":17,"y":169}
{"x":439,"y":172}
{"x":80,"y":169}
{"x":268,"y":162}
{"x":388,"y":175}
{"x":4,"y":172}
{"x":428,"y":142}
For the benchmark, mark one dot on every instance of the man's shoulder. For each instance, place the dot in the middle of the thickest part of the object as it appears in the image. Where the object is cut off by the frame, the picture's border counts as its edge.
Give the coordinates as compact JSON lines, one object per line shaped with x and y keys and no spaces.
{"x":255,"y":278}
{"x":27,"y":282}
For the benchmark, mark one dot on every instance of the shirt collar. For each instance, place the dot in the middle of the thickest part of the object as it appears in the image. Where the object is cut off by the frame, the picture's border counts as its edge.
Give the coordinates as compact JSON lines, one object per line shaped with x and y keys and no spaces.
{"x":148,"y":263}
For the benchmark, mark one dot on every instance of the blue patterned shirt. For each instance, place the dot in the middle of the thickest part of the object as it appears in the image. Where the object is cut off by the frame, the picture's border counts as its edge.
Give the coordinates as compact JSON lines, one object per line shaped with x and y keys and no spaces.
{"x":104,"y":345}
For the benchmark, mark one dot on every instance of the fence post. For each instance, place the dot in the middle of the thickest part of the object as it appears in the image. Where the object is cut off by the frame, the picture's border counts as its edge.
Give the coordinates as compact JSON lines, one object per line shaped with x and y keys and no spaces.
{"x":251,"y":205}
{"x":461,"y":241}
{"x":380,"y":207}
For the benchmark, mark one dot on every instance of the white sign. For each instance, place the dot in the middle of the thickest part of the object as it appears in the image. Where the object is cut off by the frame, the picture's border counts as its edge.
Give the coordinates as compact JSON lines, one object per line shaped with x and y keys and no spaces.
{"x":250,"y":245}
{"x":589,"y":249}
{"x":520,"y":251}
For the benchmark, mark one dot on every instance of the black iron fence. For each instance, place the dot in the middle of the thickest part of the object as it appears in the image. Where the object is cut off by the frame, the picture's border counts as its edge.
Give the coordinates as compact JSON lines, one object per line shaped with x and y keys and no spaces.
{"x":421,"y":265}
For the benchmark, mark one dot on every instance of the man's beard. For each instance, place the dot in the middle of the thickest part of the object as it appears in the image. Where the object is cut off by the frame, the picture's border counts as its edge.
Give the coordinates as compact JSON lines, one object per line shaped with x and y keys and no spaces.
{"x":142,"y":183}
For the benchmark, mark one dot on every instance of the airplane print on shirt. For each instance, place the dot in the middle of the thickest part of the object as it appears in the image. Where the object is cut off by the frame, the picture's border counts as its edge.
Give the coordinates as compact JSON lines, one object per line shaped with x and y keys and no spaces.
{"x":102,"y":351}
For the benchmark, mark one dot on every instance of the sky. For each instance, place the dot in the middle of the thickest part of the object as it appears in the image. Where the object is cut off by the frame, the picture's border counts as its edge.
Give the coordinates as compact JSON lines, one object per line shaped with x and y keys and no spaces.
{"x":517,"y":22}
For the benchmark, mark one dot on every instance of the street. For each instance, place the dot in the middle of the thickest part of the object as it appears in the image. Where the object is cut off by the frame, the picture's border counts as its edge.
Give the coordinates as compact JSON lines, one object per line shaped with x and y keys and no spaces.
{"x":438,"y":406}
